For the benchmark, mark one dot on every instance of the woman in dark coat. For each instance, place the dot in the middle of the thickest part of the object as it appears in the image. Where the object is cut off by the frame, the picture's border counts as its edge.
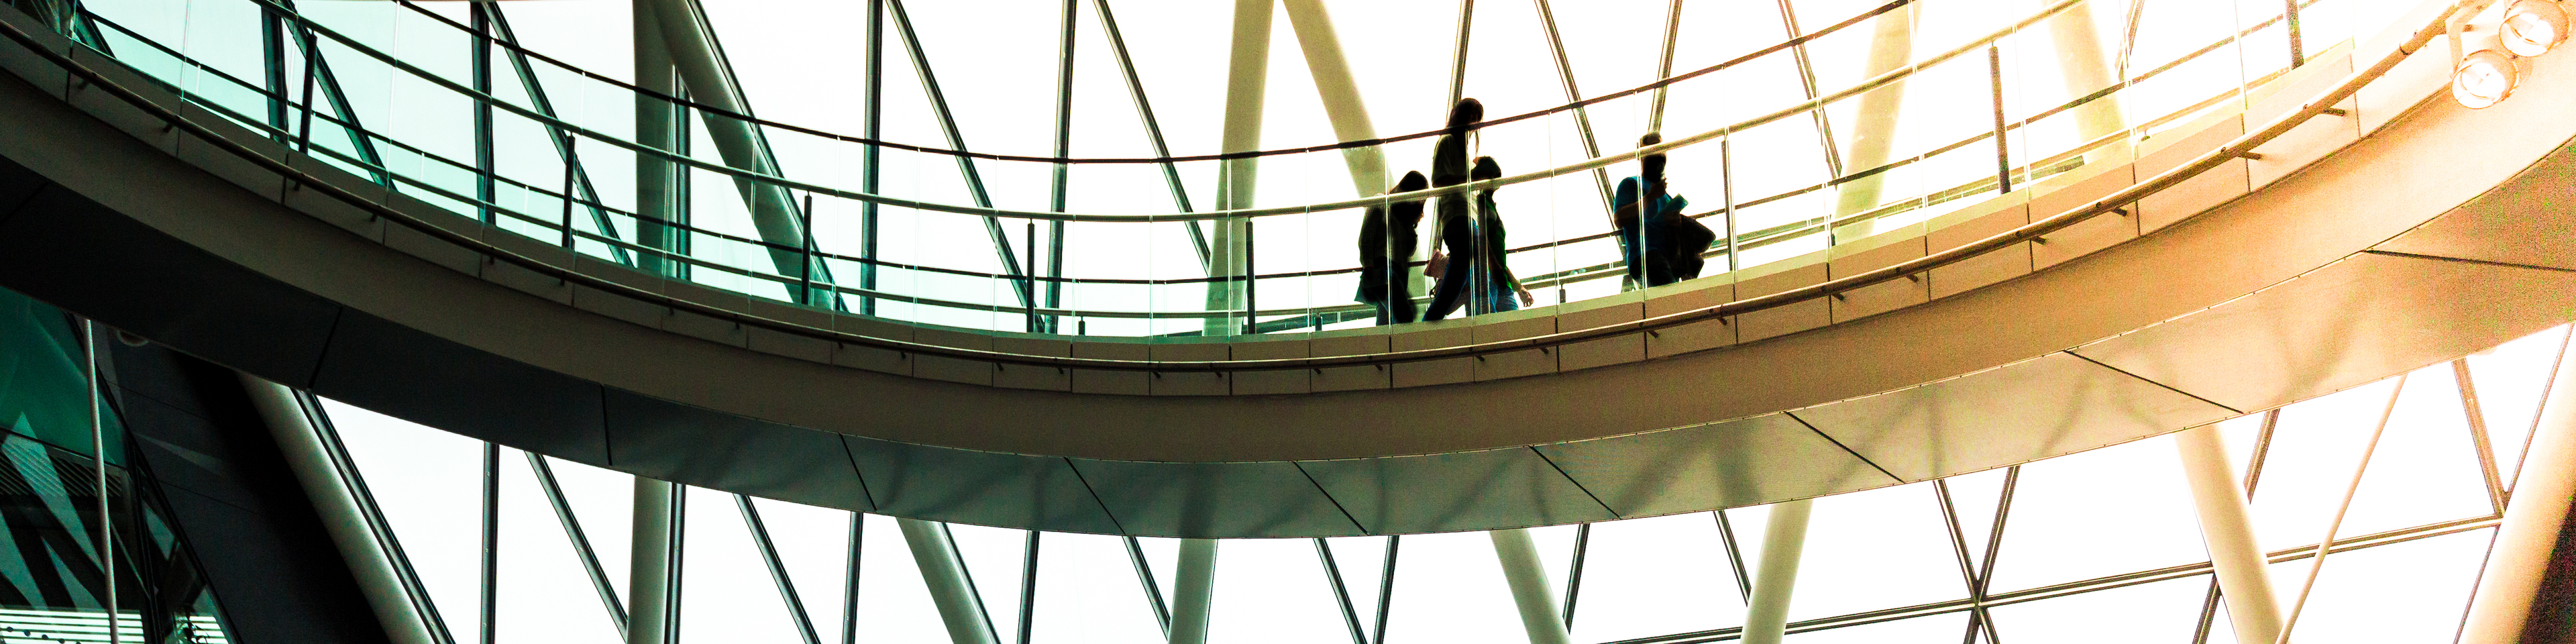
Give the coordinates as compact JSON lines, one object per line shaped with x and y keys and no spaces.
{"x":1497,"y":290}
{"x":1387,"y":240}
{"x":1449,"y":168}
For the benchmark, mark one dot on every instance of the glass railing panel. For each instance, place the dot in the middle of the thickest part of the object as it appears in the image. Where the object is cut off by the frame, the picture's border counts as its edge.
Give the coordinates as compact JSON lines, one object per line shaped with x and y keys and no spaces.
{"x":1862,"y":164}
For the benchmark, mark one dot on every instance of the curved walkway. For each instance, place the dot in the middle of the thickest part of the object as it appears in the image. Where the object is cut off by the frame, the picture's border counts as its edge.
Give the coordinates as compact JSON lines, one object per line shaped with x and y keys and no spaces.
{"x":2375,"y":240}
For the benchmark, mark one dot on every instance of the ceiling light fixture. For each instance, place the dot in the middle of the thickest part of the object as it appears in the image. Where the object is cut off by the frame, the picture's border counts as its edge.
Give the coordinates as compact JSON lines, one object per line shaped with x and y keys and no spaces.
{"x":2531,"y":27}
{"x":2484,"y":78}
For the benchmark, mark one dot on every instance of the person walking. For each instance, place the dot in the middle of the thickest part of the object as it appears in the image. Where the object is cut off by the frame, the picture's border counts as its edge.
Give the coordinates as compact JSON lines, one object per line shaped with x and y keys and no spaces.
{"x":1386,"y":244}
{"x":1497,"y":289}
{"x":1451,"y":211}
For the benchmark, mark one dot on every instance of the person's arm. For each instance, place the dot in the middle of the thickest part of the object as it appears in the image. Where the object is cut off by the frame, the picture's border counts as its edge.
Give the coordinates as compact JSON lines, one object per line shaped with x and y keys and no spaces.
{"x":1498,"y":253}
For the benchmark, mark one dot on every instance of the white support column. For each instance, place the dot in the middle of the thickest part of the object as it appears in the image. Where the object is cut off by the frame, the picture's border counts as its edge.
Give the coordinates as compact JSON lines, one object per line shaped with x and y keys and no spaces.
{"x":1891,"y":47}
{"x":2532,"y":519}
{"x":379,"y":576}
{"x":2228,"y":530}
{"x":691,"y":44}
{"x":1784,"y":541}
{"x":653,"y":571}
{"x":1341,"y":93}
{"x":1246,"y":85}
{"x":945,"y":574}
{"x":1193,"y":591}
{"x":1531,"y":591}
{"x":2087,"y":69}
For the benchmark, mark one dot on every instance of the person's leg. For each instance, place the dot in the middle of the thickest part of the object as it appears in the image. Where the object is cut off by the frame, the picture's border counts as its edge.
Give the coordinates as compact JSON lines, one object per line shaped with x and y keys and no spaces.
{"x":1453,"y":290}
{"x":1399,"y":297}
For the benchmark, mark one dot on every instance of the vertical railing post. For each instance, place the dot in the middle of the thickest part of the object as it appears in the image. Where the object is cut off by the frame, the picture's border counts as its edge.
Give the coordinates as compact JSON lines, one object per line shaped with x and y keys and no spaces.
{"x":569,"y":166}
{"x":2290,"y":20}
{"x":2003,"y":151}
{"x":1726,"y":187}
{"x":805,"y":278}
{"x":484,"y":188}
{"x":304,"y":126}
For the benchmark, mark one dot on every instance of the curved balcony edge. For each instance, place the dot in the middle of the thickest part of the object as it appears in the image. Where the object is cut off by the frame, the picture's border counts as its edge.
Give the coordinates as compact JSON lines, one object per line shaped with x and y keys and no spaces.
{"x":2356,"y":257}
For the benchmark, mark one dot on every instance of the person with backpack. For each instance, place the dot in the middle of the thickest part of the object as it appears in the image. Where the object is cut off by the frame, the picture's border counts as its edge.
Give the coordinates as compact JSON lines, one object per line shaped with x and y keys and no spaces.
{"x":1660,"y":243}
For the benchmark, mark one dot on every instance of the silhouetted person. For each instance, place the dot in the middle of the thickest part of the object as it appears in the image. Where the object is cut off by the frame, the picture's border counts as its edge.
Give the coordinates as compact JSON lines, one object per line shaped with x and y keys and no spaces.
{"x":1449,"y":168}
{"x":1660,"y":243}
{"x":1497,"y":289}
{"x":1387,"y":240}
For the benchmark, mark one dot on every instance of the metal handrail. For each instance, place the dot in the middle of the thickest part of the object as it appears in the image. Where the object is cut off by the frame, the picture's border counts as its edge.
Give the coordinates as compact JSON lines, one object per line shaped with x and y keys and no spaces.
{"x":1361,"y":143}
{"x":2233,"y":149}
{"x":1802,"y":107}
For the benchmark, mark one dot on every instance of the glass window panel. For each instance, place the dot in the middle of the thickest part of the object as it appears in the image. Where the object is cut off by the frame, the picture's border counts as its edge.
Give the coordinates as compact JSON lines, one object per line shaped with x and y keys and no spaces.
{"x":1274,"y":590}
{"x":2315,"y":448}
{"x":2098,"y":513}
{"x":726,"y":593}
{"x":2510,"y":380}
{"x":1975,"y":497}
{"x":1363,"y":563}
{"x":1449,"y":588}
{"x":894,"y":604}
{"x":1656,"y":576}
{"x":2426,"y":467}
{"x":1087,"y":592}
{"x":2163,"y":612}
{"x":814,"y":543}
{"x":2414,"y":591}
{"x":429,"y":485}
{"x":604,"y":500}
{"x":1889,"y":548}
{"x":544,"y":594}
{"x":993,"y":557}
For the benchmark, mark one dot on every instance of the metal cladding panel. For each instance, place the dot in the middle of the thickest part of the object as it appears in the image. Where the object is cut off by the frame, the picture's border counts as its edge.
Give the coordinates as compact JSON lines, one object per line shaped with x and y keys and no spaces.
{"x":2025,"y":411}
{"x":2344,"y":325}
{"x":437,"y":382}
{"x":1451,"y":492}
{"x":70,"y":251}
{"x":2502,"y":227}
{"x":981,"y":488}
{"x":1271,"y":499}
{"x":17,"y":183}
{"x":674,"y":442}
{"x":1718,"y":465}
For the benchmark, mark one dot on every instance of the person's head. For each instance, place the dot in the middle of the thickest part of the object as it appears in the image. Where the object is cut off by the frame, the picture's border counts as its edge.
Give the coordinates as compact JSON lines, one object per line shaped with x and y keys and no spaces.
{"x":1413,"y":180}
{"x":1653,"y":164}
{"x":1467,"y":113}
{"x":1486,"y":168}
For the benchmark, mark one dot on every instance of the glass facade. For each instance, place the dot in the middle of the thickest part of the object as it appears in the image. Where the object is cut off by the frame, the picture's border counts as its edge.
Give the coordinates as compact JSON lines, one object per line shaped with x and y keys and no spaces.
{"x":1048,"y":166}
{"x":52,"y":584}
{"x":2102,"y":545}
{"x":2375,"y":504}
